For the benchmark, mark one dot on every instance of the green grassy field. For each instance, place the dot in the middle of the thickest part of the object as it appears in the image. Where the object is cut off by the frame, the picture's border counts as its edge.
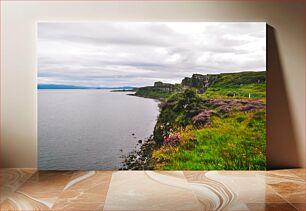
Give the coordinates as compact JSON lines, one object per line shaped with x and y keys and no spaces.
{"x":255,"y":91}
{"x":233,"y":142}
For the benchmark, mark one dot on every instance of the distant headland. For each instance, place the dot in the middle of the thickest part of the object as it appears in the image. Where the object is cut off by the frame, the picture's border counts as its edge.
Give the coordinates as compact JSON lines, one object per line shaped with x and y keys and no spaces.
{"x":66,"y":86}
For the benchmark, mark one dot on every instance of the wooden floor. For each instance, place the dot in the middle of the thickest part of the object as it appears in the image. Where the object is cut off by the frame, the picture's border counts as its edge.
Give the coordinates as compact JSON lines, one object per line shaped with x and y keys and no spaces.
{"x":27,"y":189}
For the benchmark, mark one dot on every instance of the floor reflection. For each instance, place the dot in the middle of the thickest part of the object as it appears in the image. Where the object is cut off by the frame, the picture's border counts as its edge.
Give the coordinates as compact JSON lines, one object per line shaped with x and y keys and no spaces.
{"x":27,"y":189}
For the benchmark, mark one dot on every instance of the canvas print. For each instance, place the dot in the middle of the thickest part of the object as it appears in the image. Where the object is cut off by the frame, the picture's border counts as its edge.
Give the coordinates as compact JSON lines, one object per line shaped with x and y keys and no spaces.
{"x":151,"y":96}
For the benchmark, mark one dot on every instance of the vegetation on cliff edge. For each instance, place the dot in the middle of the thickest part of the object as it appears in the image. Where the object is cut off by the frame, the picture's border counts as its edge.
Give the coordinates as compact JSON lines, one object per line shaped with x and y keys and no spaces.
{"x":216,"y":124}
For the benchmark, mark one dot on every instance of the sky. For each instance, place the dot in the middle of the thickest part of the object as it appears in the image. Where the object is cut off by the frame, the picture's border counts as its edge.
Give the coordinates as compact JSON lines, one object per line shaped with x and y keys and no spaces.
{"x":112,"y":54}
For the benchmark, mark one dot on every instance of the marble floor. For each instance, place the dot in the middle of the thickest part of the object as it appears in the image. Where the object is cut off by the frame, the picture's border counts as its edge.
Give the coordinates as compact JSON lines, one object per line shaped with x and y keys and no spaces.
{"x":27,"y":189}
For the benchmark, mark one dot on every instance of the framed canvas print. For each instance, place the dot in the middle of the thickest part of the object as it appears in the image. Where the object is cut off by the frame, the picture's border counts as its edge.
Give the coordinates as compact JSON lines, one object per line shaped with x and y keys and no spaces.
{"x":152,"y":95}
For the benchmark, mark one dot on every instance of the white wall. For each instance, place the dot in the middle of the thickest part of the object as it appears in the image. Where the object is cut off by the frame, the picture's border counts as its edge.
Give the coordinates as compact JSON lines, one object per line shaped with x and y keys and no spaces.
{"x":286,"y":120}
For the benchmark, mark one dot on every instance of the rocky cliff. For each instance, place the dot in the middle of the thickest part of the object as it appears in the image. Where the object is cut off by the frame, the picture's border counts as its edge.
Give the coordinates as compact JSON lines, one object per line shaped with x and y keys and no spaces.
{"x":231,"y":84}
{"x":200,"y":82}
{"x":160,"y":90}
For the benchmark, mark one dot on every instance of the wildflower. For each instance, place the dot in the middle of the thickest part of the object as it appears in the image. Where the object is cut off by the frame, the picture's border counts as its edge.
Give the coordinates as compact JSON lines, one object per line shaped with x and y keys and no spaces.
{"x":173,"y":138}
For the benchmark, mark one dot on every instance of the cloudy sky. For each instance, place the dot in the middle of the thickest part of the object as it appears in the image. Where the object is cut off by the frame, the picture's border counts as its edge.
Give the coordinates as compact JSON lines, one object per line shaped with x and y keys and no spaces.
{"x":138,"y":54}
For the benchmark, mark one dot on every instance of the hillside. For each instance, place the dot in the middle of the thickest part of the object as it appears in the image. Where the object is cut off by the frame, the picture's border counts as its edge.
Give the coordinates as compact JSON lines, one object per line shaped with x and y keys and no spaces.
{"x":159,"y":91}
{"x":207,"y":122}
{"x":228,"y":85}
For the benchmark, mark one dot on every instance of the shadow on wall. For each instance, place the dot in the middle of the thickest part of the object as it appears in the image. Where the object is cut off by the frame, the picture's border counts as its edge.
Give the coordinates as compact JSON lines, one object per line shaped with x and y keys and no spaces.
{"x":281,"y":141}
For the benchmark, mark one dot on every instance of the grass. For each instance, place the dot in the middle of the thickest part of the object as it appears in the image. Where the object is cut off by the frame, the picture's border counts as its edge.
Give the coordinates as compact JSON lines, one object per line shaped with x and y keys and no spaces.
{"x":256,"y":91}
{"x":237,"y":79}
{"x":235,"y":141}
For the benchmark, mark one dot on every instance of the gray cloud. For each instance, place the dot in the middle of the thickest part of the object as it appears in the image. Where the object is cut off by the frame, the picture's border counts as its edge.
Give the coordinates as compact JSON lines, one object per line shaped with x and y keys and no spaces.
{"x":137,"y":54}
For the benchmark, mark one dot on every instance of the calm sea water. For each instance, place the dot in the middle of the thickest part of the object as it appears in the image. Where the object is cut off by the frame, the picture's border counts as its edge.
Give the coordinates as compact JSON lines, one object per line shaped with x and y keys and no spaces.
{"x":90,"y":129}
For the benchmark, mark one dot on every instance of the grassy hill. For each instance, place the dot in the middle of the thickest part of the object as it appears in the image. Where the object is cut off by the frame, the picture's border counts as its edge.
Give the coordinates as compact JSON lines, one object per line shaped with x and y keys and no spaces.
{"x":210,"y":122}
{"x":239,"y":85}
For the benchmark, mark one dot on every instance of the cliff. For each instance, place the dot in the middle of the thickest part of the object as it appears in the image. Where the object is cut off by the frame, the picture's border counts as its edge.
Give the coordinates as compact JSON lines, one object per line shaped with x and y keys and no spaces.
{"x":206,"y":122}
{"x":160,"y":90}
{"x":200,"y":82}
{"x":225,"y":84}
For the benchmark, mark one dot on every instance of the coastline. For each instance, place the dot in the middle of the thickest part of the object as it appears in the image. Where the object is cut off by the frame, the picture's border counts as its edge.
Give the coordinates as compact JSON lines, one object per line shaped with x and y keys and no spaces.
{"x":141,"y":159}
{"x":83,"y":118}
{"x":207,"y":122}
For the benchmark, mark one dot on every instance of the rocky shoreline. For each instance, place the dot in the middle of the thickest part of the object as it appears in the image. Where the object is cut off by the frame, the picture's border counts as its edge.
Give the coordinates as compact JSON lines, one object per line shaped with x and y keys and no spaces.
{"x":140,"y":159}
